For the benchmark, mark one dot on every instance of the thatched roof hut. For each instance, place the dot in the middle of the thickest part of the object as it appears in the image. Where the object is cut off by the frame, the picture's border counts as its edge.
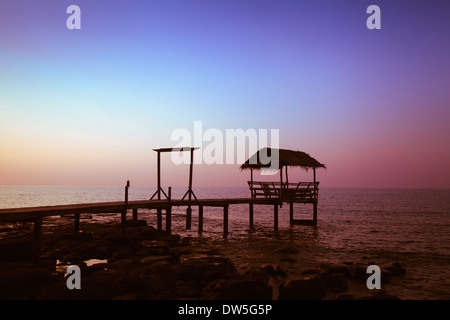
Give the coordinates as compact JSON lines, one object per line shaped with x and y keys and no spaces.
{"x":287,"y":158}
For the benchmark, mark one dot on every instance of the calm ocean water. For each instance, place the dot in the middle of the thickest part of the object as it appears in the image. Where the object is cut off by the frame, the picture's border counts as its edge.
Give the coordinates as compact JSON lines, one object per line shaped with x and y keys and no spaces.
{"x":411,"y":226}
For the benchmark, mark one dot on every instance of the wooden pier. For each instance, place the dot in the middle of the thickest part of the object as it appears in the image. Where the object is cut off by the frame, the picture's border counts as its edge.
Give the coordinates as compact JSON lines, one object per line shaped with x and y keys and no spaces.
{"x":262,"y":193}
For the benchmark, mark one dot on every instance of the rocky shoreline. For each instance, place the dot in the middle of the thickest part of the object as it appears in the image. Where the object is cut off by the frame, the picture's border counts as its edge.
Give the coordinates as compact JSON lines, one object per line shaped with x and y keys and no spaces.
{"x":149,"y":264}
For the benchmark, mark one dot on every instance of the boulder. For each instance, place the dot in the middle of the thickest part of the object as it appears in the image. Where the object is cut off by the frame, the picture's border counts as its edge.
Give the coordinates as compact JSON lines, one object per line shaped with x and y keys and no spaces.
{"x":237,"y":288}
{"x":394,"y":268}
{"x":308,"y":287}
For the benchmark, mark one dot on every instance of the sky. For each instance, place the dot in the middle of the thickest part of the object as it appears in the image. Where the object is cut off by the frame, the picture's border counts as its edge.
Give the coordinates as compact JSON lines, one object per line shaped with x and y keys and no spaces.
{"x":87,"y":107}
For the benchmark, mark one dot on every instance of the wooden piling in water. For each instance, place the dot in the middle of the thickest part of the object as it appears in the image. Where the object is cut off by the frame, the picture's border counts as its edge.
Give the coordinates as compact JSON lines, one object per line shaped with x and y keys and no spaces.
{"x":200,"y":220}
{"x":291,"y":213}
{"x":275,"y":216}
{"x":76,"y":226}
{"x":37,"y":237}
{"x":225,"y":221}
{"x":169,"y":213}
{"x":251,"y":215}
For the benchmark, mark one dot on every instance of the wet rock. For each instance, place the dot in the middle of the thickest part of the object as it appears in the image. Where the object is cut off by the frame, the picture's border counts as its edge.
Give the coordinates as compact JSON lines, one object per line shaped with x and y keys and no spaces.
{"x":148,"y":260}
{"x":336,"y":282}
{"x":77,"y":236}
{"x":379,"y":295}
{"x":16,"y":251}
{"x":345,"y":296}
{"x":358,"y":271}
{"x":187,"y":292}
{"x":128,"y":296}
{"x":239,"y":288}
{"x":204,"y":268}
{"x":15,"y":283}
{"x":72,"y":259}
{"x":334,"y":268}
{"x":289,"y":249}
{"x":394,"y":268}
{"x":309,"y":287}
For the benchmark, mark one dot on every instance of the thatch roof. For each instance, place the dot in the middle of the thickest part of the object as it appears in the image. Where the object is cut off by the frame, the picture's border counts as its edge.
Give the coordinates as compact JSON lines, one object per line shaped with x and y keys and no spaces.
{"x":286,"y":158}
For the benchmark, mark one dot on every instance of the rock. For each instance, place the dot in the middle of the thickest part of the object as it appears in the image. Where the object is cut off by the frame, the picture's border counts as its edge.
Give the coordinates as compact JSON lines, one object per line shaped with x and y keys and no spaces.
{"x":336,"y":282}
{"x":394,"y":268}
{"x":16,"y":251}
{"x":18,"y":282}
{"x":72,"y":259}
{"x":345,"y":296}
{"x":289,"y":249}
{"x":238,"y":288}
{"x":334,"y":268}
{"x":379,"y":295}
{"x":148,"y":260}
{"x":187,"y":292}
{"x":78,"y":236}
{"x":136,"y":223}
{"x":128,"y":296}
{"x":358,"y":271}
{"x":309,"y":287}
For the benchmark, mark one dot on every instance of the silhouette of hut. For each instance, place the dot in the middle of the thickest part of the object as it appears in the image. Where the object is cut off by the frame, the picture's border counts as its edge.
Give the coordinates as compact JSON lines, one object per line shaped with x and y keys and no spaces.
{"x":283,"y":189}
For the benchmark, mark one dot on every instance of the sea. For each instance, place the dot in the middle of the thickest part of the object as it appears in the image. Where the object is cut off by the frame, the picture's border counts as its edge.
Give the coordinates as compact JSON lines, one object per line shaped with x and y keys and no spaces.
{"x":408,"y":226}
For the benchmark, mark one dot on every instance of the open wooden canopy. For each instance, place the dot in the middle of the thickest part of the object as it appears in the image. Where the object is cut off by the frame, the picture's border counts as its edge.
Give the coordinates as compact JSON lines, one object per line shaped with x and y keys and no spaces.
{"x":287,"y":158}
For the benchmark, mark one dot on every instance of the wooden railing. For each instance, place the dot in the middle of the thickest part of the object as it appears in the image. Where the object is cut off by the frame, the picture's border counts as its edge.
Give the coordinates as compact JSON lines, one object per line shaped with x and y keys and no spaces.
{"x":285,"y":191}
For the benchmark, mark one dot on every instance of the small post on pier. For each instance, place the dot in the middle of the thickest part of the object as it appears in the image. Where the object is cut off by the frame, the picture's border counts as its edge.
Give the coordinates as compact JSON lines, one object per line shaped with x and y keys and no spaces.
{"x":200,"y":219}
{"x":124,"y":211}
{"x":169,"y":213}
{"x":225,"y":221}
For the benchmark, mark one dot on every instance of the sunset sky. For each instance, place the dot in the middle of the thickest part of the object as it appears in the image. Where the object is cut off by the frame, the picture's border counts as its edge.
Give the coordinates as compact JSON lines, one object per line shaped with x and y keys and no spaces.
{"x":86,"y":107}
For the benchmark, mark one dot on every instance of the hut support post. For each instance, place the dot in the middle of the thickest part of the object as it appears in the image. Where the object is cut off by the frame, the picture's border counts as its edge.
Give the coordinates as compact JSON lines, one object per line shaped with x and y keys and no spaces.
{"x":251,"y":215}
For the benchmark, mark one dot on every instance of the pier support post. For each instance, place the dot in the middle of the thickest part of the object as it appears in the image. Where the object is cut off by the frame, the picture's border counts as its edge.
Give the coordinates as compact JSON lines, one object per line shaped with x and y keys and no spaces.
{"x":188,"y":218}
{"x":169,"y":213}
{"x":37,"y":237}
{"x":251,"y":215}
{"x":135,"y":214}
{"x":225,"y":221}
{"x":200,"y":220}
{"x":123,"y":221}
{"x":76,"y":226}
{"x":159,"y":218}
{"x":315,"y":213}
{"x":275,"y":217}
{"x":291,"y":213}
